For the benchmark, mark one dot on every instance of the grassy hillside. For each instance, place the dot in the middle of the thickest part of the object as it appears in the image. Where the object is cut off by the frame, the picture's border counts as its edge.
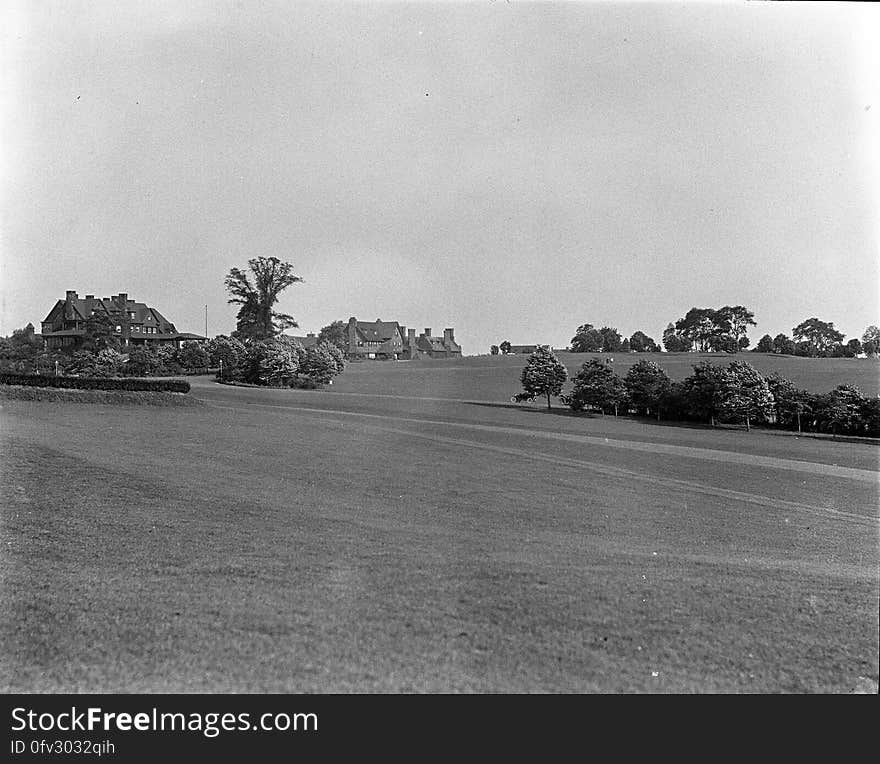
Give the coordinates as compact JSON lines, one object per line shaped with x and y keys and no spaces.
{"x":496,"y":378}
{"x":295,"y":541}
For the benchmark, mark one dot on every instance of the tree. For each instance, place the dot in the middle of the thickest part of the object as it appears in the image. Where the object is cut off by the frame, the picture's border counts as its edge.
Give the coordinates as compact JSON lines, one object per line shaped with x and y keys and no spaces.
{"x":336,"y":333}
{"x":704,"y":391}
{"x":505,"y":347}
{"x":852,"y":348}
{"x":543,"y":374}
{"x":674,"y":342}
{"x":494,"y":349}
{"x":642,"y":343}
{"x":587,"y":339}
{"x":166,"y":359}
{"x":647,"y":386}
{"x":191,"y":355}
{"x":257,"y":318}
{"x":820,"y":335}
{"x":100,"y":332}
{"x":790,"y":403}
{"x":745,"y":394}
{"x":320,"y":364}
{"x":226,"y":354}
{"x":698,"y":326}
{"x":596,"y":384}
{"x":871,"y":340}
{"x":783,"y":345}
{"x":611,"y":340}
{"x":765,"y":345}
{"x":840,"y":410}
{"x":737,"y":319}
{"x":337,"y":355}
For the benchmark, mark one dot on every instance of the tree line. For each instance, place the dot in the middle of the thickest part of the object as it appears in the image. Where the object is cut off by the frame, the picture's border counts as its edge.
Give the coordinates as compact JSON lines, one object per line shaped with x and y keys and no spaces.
{"x":724,"y":329}
{"x":713,"y":394}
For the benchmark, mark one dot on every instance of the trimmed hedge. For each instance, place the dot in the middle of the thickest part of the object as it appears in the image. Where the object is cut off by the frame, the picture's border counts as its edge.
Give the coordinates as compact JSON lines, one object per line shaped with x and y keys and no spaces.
{"x":97,"y":383}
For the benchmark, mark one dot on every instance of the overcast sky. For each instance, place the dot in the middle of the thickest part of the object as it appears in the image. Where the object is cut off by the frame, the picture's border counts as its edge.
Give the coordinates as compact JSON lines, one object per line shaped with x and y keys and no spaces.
{"x":509,"y":169}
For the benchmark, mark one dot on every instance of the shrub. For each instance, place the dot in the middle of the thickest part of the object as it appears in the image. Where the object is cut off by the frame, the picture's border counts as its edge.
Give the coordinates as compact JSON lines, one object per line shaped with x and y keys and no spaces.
{"x":97,"y":383}
{"x":191,"y":355}
{"x":229,"y":354}
{"x":321,"y":363}
{"x":142,"y":360}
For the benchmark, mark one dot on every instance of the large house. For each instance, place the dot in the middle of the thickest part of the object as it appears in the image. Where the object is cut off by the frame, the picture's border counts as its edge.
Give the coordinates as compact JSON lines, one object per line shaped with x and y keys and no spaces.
{"x":135,"y":323}
{"x":389,"y":340}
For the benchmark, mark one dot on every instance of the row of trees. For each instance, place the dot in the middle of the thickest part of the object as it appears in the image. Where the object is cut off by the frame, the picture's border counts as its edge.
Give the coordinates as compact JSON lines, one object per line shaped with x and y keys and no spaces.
{"x":818,"y":339}
{"x":725,"y":330}
{"x":737,"y":393}
{"x":589,"y":339}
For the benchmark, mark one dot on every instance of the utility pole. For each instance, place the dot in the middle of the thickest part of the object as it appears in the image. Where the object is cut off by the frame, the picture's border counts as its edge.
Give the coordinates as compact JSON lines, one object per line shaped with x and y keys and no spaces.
{"x":206,"y":322}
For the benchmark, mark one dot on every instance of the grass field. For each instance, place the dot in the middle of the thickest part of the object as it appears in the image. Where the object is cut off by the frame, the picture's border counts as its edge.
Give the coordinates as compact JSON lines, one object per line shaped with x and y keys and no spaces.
{"x":388,"y":535}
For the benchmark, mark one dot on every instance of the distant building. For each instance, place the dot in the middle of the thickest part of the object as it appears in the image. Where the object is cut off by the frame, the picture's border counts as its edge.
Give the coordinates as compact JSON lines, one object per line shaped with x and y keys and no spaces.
{"x":135,"y":323}
{"x":389,"y":340}
{"x":525,"y":349}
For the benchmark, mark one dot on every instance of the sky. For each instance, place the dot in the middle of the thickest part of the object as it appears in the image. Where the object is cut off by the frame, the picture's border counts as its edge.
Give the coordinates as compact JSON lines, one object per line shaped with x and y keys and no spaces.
{"x":509,"y":169}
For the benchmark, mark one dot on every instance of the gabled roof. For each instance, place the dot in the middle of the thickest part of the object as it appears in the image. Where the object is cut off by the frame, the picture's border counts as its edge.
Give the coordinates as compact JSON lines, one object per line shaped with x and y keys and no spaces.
{"x":378,"y":331}
{"x":81,"y":308}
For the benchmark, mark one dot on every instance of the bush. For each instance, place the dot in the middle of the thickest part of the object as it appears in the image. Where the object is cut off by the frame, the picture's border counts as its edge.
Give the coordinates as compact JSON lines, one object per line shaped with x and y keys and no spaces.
{"x":97,"y":383}
{"x":191,"y":355}
{"x":321,"y":363}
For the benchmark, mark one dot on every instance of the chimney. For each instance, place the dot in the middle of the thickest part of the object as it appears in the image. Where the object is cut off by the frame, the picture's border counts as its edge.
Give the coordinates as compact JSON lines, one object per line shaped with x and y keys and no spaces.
{"x":411,"y":335}
{"x":90,"y":297}
{"x":123,"y":299}
{"x":448,"y":335}
{"x":427,"y":331}
{"x":71,"y":295}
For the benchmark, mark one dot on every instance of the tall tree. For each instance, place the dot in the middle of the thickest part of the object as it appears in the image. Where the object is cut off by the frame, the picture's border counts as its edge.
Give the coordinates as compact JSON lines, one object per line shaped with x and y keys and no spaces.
{"x":544,"y":374}
{"x":698,"y":326}
{"x":783,"y":345}
{"x":871,"y":340}
{"x":642,"y":343}
{"x":587,"y":339}
{"x":257,"y":318}
{"x":505,"y":347}
{"x":494,"y":349}
{"x":821,"y":335}
{"x":611,"y":340}
{"x":765,"y":345}
{"x":335,"y":333}
{"x":674,"y":342}
{"x":737,"y":320}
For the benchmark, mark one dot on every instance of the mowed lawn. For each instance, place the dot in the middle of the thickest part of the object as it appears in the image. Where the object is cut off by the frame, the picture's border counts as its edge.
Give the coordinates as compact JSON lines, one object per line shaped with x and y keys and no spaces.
{"x":376,"y":538}
{"x":497,"y":377}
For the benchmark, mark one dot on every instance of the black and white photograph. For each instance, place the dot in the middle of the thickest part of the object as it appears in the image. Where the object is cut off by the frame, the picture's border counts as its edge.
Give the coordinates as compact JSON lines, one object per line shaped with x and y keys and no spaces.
{"x":437,"y":348}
